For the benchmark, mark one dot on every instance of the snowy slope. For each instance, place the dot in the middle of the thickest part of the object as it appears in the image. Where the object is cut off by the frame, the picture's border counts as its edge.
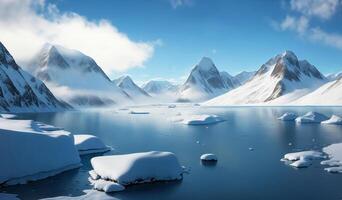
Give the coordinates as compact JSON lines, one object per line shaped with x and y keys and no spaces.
{"x":155,"y":87}
{"x":328,"y":94}
{"x":134,"y":91}
{"x":21,"y":92}
{"x":282,"y":79}
{"x":335,"y":76}
{"x":75,"y":77}
{"x":204,"y":82}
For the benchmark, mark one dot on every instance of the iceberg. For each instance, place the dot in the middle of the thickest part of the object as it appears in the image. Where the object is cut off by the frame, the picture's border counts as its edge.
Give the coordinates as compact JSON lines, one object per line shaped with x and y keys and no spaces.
{"x":137,"y":168}
{"x":311,"y":117}
{"x":288,"y":116}
{"x":202,"y":119}
{"x":208,"y":157}
{"x":334,"y":152}
{"x":87,"y":144}
{"x":336,"y":120}
{"x":303,"y":158}
{"x":29,"y":153}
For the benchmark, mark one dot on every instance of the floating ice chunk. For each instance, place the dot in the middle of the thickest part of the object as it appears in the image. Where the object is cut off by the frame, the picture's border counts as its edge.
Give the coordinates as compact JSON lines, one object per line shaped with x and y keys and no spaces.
{"x":8,"y":116}
{"x":209,"y":157}
{"x":303,"y":158}
{"x":337,"y":120}
{"x":288,"y":116}
{"x":311,"y":117}
{"x":250,"y":148}
{"x":107,"y":186}
{"x":303,"y":154}
{"x":335,"y":158}
{"x":46,"y":127}
{"x":93,"y":175}
{"x":172,"y":106}
{"x":138,"y":167}
{"x":28,"y":153}
{"x":139,"y":112}
{"x":202,"y":119}
{"x":87,"y":144}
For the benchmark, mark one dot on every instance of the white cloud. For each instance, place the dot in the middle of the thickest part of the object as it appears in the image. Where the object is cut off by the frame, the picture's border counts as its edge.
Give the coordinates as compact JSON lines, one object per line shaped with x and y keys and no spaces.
{"x":320,"y":8}
{"x":179,"y":3}
{"x":27,"y":24}
{"x":306,"y":9}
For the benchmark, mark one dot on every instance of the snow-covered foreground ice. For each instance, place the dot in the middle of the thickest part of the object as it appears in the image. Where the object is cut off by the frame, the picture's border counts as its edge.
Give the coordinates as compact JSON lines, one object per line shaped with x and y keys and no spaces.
{"x":288,"y":116}
{"x":29,"y":153}
{"x":208,"y":157}
{"x":335,"y":158}
{"x":334,"y":119}
{"x":8,"y":116}
{"x":302,"y":158}
{"x":87,"y":144}
{"x":201,"y":119}
{"x":138,"y":167}
{"x":311,"y":117}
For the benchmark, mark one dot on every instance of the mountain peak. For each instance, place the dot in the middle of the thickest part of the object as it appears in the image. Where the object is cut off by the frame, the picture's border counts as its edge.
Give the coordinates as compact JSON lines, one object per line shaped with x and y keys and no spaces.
{"x":206,"y":63}
{"x":5,"y":56}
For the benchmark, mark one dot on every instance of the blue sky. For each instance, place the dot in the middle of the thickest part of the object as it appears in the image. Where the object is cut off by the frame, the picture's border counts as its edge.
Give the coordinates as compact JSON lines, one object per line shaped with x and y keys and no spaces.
{"x":237,"y":35}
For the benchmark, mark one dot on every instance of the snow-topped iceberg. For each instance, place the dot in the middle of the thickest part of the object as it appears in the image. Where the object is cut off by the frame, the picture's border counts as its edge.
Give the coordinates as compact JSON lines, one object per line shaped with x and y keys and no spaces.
{"x":302,"y":158}
{"x":138,"y":167}
{"x":87,"y":144}
{"x":208,"y":157}
{"x":201,"y":119}
{"x":288,"y":116}
{"x":334,"y":119}
{"x":106,"y":186}
{"x":311,"y":117}
{"x":29,"y":153}
{"x":335,"y":158}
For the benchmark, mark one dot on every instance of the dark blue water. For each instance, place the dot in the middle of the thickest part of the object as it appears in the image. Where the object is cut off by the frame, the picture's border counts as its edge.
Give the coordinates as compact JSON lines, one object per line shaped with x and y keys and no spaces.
{"x":239,"y":172}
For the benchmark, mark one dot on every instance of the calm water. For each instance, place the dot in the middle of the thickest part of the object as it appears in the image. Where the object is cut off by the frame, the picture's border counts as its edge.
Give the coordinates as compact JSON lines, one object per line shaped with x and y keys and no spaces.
{"x":239,"y":173}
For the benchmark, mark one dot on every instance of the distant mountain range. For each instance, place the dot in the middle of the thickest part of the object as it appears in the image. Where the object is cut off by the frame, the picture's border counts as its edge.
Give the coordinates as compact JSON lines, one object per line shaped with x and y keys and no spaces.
{"x":63,"y":78}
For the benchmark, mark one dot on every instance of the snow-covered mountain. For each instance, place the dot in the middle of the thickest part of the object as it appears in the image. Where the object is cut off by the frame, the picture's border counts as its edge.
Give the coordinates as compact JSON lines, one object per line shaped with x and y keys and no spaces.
{"x":133,"y":90}
{"x":229,"y":81}
{"x":205,"y":82}
{"x":157,"y":87}
{"x":335,"y":76}
{"x":21,"y":92}
{"x":328,"y":94}
{"x":244,"y":76}
{"x":282,"y":79}
{"x":75,"y":77}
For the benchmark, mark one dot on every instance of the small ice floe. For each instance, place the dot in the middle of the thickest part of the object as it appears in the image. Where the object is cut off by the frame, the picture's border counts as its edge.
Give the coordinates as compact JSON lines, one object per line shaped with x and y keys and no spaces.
{"x":106,"y":186}
{"x":250,"y":148}
{"x":8,"y":116}
{"x":334,"y":119}
{"x":202,"y":119}
{"x":334,"y":152}
{"x":288,"y":116}
{"x":137,"y":168}
{"x":311,"y":117}
{"x":139,"y":112}
{"x":303,"y":158}
{"x":46,"y":127}
{"x":208,"y":157}
{"x":87,"y":144}
{"x":172,"y":106}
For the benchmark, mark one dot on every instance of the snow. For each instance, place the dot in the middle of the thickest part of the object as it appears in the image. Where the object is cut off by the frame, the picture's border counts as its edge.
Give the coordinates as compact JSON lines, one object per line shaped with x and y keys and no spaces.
{"x":334,"y":152}
{"x":93,"y":175}
{"x":139,"y":112}
{"x":288,"y":116}
{"x":87,"y":144}
{"x":302,"y":158}
{"x":5,"y":196}
{"x":201,"y":119}
{"x":38,"y":153}
{"x":133,"y":90}
{"x":311,"y":117}
{"x":107,"y":186}
{"x":141,"y":167}
{"x":8,"y":116}
{"x":208,"y":157}
{"x":334,"y":119}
